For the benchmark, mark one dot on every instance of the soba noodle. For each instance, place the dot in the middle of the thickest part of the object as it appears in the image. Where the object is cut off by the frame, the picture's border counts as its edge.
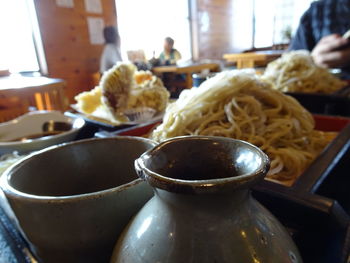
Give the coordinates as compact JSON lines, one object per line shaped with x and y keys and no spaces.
{"x":296,"y":71}
{"x":242,"y":107}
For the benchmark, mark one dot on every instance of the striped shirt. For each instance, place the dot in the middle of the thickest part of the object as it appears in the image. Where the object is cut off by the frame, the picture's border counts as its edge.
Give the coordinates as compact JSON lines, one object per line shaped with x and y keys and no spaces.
{"x":323,"y":18}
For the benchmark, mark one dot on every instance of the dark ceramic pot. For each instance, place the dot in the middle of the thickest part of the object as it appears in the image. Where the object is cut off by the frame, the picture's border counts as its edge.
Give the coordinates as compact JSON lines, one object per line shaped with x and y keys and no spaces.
{"x":202,"y":210}
{"x":73,"y":200}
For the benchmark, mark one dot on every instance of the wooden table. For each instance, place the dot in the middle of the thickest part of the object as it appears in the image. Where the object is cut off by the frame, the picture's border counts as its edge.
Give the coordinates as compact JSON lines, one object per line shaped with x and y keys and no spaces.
{"x":18,"y":93}
{"x":188,"y":70}
{"x":251,"y":59}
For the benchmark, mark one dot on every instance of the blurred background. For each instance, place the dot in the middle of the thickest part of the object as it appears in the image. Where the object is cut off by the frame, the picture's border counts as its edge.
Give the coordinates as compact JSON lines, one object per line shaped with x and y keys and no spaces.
{"x":63,"y":38}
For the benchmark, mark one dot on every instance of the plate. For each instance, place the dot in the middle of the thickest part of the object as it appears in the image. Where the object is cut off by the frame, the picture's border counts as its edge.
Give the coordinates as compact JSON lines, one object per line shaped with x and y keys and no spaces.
{"x":105,"y":124}
{"x":31,"y":124}
{"x":140,"y":130}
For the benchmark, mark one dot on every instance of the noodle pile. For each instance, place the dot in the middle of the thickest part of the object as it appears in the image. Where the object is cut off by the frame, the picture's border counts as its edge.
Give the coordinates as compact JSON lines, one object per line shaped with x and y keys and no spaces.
{"x":242,"y":107}
{"x":296,"y":71}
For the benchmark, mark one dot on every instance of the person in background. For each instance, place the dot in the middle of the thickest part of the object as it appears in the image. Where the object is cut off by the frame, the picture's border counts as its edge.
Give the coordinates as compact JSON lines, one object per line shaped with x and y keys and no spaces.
{"x":111,"y":52}
{"x":170,"y":55}
{"x":321,"y":31}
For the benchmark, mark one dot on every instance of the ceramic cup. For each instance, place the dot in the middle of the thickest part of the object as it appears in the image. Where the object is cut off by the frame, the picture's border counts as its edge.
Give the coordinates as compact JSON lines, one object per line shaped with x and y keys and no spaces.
{"x":72,"y":201}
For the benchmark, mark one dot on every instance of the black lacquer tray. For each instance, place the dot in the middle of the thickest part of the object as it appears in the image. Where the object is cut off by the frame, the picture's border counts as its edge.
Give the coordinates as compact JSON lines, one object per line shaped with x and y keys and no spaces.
{"x":333,"y":104}
{"x":13,"y":247}
{"x":318,"y":225}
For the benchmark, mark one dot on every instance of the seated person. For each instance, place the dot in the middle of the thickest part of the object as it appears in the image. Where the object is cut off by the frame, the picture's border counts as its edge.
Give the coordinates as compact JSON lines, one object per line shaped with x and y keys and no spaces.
{"x":111,"y":51}
{"x":170,"y":55}
{"x":320,"y":31}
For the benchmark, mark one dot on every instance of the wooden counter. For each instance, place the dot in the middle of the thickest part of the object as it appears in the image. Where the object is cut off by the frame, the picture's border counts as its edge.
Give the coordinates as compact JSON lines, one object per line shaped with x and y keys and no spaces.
{"x":252,"y":59}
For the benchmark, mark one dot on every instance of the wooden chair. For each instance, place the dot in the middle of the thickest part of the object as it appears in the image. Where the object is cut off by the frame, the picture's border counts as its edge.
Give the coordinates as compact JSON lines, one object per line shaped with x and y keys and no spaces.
{"x":17,"y":100}
{"x":11,"y":108}
{"x":136,"y":55}
{"x":12,"y":113}
{"x":96,"y":77}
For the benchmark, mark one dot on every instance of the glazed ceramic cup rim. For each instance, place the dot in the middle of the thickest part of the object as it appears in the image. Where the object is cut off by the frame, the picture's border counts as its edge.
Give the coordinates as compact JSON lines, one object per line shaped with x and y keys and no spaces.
{"x":9,"y":190}
{"x":158,"y":181}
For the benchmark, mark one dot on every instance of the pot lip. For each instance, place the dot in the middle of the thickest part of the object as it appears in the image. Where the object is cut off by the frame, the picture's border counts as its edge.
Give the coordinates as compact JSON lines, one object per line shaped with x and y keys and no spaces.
{"x":13,"y":193}
{"x":179,"y":185}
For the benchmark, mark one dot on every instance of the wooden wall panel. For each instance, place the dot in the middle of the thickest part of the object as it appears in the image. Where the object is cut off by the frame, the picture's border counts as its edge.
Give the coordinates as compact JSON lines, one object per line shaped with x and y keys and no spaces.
{"x":214,"y":25}
{"x":67,"y":47}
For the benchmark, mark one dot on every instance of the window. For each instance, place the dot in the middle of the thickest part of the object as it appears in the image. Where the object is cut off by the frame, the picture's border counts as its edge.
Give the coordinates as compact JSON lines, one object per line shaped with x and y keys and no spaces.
{"x":145,"y":24}
{"x":263,"y":23}
{"x":20,"y":45}
{"x":276,"y":20}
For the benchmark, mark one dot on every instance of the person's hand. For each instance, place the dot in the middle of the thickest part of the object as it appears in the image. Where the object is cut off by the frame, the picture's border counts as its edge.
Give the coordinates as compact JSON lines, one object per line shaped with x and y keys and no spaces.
{"x":332,"y":52}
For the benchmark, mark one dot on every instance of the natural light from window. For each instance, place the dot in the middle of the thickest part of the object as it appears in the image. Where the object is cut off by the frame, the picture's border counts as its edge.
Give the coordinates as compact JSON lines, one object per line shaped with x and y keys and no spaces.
{"x":144,"y":25}
{"x":264,"y":23}
{"x":274,"y":18}
{"x":17,"y":50}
